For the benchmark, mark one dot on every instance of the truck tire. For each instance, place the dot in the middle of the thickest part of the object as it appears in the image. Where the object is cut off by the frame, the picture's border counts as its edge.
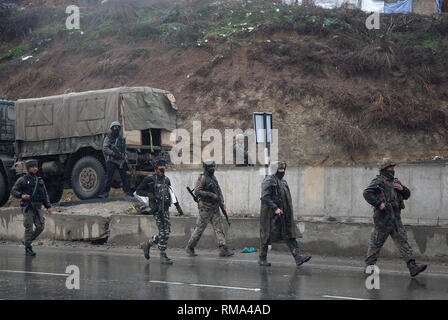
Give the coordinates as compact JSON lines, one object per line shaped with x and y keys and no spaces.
{"x":4,"y":190}
{"x":55,"y":191}
{"x":88,"y":178}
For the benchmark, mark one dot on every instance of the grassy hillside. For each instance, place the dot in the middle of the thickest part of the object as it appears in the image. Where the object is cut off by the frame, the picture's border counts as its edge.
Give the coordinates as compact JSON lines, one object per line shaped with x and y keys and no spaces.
{"x":340,"y":93}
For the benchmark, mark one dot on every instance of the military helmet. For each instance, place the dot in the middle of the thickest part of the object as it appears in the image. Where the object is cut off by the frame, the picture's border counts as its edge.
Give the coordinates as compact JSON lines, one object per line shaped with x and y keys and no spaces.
{"x":31,"y":163}
{"x":208,"y":163}
{"x":159,"y":161}
{"x":275,"y":165}
{"x":386,"y":162}
{"x":115,"y":123}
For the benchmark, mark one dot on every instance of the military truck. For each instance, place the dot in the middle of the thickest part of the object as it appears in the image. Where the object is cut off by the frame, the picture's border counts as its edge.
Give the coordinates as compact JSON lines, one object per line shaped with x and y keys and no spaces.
{"x":6,"y":147}
{"x":65,"y":134}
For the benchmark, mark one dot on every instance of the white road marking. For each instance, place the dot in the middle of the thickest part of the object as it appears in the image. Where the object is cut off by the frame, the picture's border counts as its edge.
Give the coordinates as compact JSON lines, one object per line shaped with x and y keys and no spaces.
{"x":43,"y":273}
{"x":206,"y":285}
{"x":346,"y":298}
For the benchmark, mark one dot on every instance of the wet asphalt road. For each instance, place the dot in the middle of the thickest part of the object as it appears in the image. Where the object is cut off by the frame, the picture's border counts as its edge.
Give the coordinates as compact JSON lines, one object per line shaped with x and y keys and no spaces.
{"x":120,"y":273}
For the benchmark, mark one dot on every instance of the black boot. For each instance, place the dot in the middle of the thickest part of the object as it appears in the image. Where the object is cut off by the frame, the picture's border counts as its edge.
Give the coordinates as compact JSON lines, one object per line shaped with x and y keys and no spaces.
{"x":225,"y":252}
{"x":145,"y":247}
{"x":415,"y":269}
{"x":264,"y":262}
{"x":29,"y":251}
{"x":301,"y":259}
{"x":190,"y":251}
{"x":164,"y":258}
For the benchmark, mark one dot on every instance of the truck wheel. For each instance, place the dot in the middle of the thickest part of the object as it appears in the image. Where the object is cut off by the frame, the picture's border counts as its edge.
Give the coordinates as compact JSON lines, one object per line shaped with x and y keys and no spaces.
{"x":88,"y":177}
{"x":4,"y":190}
{"x":55,"y":191}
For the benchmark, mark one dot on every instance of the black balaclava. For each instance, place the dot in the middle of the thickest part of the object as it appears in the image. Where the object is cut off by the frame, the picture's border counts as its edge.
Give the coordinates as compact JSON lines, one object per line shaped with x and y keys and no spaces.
{"x":390,"y":174}
{"x":115,"y":132}
{"x":280,"y":175}
{"x":210,"y":170}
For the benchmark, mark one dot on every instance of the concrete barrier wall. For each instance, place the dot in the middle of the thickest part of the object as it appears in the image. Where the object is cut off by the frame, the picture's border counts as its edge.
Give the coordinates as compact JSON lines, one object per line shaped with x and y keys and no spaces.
{"x":322,"y":238}
{"x":327,"y":192}
{"x":57,"y":226}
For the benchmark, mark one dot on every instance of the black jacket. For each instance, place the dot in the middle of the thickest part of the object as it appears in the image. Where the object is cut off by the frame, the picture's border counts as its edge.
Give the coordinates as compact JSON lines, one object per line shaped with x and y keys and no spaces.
{"x":25,"y":185}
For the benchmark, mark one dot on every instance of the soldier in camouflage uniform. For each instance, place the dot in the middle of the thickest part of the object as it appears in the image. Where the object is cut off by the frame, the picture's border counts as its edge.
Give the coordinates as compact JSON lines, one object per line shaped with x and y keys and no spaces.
{"x":156,"y":188}
{"x":209,"y":193}
{"x":114,"y":150}
{"x":395,"y":192}
{"x":31,"y":190}
{"x":277,"y":217}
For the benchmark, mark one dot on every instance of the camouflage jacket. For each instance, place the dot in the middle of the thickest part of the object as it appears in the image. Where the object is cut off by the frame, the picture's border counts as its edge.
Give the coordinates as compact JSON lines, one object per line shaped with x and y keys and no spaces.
{"x":156,"y":188}
{"x":114,"y":146}
{"x":206,"y":188}
{"x":373,"y":195}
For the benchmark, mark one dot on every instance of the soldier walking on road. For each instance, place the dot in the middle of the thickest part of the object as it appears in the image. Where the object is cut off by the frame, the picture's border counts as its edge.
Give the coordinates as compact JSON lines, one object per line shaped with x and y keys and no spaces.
{"x":387,"y":194}
{"x":277,"y":217}
{"x":114,"y":150}
{"x":31,"y":190}
{"x":157,"y":188}
{"x":209,"y":193}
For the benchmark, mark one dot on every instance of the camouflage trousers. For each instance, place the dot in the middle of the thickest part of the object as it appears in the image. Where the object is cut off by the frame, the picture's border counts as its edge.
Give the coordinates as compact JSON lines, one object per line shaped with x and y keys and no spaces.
{"x":164,"y":227}
{"x":379,"y":235}
{"x":292,"y":244}
{"x":206,"y":215}
{"x":30,"y":218}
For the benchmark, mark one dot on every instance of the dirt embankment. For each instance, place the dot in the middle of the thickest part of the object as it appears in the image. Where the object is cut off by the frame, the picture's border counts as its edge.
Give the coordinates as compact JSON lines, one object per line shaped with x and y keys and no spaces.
{"x":339,"y":93}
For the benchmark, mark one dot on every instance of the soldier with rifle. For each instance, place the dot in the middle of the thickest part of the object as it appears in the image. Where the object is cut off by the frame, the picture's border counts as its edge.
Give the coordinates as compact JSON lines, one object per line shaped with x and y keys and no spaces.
{"x":114,"y":150}
{"x":30,"y":188}
{"x":210,"y":200}
{"x":277,"y":216}
{"x":157,"y":188}
{"x":387,"y":194}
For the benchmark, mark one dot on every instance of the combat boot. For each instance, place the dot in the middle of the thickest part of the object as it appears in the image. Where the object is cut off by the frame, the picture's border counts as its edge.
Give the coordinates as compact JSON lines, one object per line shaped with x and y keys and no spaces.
{"x":225,"y":252}
{"x":415,"y":269}
{"x":301,"y":259}
{"x":145,"y":246}
{"x":264,"y":262}
{"x":190,"y":251}
{"x":29,"y":251}
{"x":164,"y":258}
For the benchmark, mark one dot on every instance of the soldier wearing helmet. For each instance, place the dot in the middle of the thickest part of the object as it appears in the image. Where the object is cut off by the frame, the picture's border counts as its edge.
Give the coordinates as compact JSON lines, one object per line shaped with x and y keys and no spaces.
{"x":277,"y":216}
{"x":387,"y":185}
{"x":30,"y":188}
{"x":209,"y":193}
{"x":157,"y":188}
{"x":114,"y":150}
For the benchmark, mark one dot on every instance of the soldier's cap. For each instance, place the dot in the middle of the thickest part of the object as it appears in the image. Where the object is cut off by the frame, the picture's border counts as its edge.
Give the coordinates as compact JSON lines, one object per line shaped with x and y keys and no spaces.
{"x":31,"y":163}
{"x":386,"y":162}
{"x":208,"y":163}
{"x":275,"y":165}
{"x":115,"y":123}
{"x":159,"y":162}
